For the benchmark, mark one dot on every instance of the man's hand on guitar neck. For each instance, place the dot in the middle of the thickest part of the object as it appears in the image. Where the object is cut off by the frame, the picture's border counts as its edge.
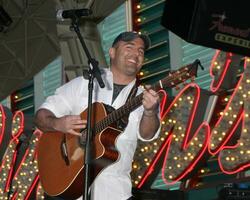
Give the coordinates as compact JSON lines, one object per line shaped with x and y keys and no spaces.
{"x":46,"y":121}
{"x":150,"y":100}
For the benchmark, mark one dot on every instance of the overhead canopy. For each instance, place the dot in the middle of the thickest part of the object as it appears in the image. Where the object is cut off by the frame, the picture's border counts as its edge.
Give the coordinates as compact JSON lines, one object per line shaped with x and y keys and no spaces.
{"x":31,"y":41}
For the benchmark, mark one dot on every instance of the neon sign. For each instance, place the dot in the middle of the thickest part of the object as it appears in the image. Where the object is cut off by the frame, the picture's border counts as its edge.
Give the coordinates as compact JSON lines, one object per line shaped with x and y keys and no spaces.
{"x":181,"y":144}
{"x":19,"y":183}
{"x":186,"y":139}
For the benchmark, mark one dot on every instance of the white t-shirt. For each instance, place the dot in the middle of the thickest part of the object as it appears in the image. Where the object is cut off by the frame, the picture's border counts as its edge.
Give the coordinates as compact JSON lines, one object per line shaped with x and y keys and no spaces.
{"x":114,"y":182}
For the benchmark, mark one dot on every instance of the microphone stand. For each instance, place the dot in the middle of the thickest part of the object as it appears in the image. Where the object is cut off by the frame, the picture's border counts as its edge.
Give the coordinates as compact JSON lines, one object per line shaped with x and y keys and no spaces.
{"x":93,"y":72}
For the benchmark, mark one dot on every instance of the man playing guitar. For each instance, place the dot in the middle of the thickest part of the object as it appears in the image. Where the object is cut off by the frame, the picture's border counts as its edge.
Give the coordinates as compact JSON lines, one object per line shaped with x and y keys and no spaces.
{"x":61,"y":112}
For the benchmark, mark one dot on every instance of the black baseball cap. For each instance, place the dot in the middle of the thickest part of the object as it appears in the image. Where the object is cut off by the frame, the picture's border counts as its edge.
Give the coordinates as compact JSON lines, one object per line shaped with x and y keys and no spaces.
{"x":131,"y":35}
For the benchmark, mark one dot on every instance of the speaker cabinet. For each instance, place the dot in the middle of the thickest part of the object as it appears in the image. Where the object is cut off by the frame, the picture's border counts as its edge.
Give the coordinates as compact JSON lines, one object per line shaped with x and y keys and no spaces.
{"x":223,"y":24}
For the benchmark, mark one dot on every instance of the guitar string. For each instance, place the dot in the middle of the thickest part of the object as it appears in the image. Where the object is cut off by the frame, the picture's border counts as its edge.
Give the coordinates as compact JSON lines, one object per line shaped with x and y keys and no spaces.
{"x":134,"y":103}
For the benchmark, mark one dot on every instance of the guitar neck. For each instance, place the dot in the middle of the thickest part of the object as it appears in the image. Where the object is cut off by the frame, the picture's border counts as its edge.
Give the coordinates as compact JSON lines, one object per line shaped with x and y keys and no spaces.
{"x":124,"y":110}
{"x":174,"y":78}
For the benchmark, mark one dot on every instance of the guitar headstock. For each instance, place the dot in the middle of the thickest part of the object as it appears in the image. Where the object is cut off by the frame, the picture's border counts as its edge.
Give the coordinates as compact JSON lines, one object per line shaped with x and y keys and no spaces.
{"x":180,"y":76}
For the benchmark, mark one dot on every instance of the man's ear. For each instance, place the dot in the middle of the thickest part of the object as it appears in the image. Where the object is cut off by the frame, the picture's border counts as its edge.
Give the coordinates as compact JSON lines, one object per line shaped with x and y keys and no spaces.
{"x":112,"y":52}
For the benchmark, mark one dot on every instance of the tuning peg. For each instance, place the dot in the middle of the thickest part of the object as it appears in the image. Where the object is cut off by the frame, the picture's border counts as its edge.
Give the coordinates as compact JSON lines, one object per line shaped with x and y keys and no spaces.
{"x":180,"y":79}
{"x":184,"y":83}
{"x":177,"y":87}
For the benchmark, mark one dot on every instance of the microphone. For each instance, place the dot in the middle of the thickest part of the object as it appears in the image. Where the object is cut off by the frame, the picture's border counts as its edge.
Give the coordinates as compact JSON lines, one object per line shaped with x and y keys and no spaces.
{"x":69,"y":14}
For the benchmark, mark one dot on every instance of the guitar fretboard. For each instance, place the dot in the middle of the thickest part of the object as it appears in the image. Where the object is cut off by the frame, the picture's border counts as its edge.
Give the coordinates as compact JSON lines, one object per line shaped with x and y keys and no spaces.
{"x":173,"y":79}
{"x":119,"y":113}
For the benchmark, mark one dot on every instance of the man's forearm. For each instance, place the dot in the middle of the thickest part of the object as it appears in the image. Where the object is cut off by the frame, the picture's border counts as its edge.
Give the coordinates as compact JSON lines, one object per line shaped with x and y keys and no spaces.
{"x":149,"y":124}
{"x":44,"y":120}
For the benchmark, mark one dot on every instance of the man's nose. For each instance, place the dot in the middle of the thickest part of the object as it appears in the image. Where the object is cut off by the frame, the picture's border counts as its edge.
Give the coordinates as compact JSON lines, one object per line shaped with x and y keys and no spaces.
{"x":136,"y":52}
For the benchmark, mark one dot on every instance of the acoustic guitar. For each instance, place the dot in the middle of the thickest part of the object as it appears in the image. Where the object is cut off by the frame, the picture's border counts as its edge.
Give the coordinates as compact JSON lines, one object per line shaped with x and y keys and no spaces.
{"x":60,"y":155}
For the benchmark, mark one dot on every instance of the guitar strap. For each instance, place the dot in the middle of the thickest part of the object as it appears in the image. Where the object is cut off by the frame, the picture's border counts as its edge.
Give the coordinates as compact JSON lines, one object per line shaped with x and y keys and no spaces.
{"x":124,"y":120}
{"x":133,"y":91}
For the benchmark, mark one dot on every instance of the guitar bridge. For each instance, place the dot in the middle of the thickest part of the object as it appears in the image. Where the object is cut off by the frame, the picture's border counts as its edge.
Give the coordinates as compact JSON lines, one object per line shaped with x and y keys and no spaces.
{"x":64,"y":151}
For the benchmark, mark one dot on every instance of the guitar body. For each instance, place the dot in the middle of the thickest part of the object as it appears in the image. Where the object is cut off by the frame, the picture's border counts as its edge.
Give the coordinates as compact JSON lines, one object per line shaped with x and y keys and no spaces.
{"x":66,"y":179}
